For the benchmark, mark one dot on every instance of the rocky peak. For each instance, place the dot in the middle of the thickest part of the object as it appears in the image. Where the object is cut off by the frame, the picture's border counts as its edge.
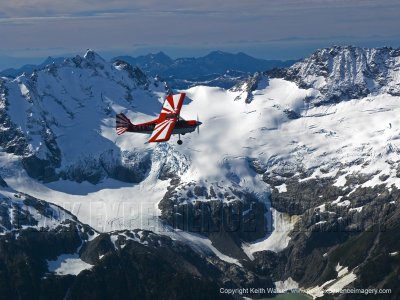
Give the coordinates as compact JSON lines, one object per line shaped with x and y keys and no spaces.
{"x":346,"y":72}
{"x":134,"y":72}
{"x":92,"y":56}
{"x":246,"y":87}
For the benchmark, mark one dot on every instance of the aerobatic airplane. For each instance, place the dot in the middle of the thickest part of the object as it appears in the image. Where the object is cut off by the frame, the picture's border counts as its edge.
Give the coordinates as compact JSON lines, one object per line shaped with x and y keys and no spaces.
{"x":169,"y":122}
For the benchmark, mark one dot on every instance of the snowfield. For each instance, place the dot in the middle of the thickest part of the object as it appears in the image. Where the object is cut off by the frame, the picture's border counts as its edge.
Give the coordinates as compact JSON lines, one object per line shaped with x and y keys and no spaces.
{"x":68,"y":264}
{"x":356,"y":136}
{"x":70,"y":123}
{"x":263,"y":139}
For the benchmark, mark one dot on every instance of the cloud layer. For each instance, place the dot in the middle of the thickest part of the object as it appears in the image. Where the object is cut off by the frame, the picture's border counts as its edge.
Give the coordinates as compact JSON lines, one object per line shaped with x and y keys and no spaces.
{"x":277,"y":27}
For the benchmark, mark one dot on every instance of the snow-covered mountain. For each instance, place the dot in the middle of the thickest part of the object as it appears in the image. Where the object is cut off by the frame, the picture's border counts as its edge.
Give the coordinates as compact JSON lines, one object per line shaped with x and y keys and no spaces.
{"x":293,"y":175}
{"x":341,"y":73}
{"x":55,"y":117}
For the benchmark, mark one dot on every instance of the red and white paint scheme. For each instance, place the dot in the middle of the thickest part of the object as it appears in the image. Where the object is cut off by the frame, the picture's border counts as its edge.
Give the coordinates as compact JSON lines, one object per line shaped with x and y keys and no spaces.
{"x":169,"y":122}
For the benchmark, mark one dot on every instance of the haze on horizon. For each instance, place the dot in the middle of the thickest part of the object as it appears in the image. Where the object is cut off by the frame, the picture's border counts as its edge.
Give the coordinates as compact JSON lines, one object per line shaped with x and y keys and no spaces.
{"x":31,"y":30}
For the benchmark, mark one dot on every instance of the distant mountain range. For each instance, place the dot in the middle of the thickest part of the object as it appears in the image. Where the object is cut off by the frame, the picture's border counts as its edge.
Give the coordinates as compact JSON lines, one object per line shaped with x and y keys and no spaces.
{"x":11,"y":72}
{"x":215,"y":69}
{"x":215,"y":62}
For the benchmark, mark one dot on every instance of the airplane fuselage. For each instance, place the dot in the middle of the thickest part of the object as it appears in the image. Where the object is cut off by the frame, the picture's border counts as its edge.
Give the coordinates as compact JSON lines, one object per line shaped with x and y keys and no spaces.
{"x":181,"y":127}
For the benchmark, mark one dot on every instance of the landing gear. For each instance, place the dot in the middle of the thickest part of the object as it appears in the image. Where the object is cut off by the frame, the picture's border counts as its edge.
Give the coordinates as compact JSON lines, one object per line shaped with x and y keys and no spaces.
{"x":179,"y":141}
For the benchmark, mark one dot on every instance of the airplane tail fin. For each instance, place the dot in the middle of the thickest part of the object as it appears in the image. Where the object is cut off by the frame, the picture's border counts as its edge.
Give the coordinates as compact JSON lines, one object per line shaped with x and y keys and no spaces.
{"x":122,"y":123}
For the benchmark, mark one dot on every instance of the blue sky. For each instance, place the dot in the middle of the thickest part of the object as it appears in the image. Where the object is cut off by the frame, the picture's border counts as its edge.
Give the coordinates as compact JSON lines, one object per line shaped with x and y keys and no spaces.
{"x":30,"y":30}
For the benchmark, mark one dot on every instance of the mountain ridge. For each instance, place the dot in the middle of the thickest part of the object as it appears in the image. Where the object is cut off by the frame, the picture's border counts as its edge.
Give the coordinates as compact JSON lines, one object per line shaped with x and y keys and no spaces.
{"x":285,"y":183}
{"x":346,"y":72}
{"x":29,"y":68}
{"x":191,"y":67}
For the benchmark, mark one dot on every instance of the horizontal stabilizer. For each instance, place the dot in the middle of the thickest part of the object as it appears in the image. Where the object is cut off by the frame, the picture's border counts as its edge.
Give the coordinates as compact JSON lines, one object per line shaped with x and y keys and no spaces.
{"x":122,"y":123}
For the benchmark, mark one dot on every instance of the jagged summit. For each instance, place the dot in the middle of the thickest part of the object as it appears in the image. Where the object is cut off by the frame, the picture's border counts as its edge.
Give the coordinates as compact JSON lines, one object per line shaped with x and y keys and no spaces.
{"x":346,"y":72}
{"x":92,"y":56}
{"x":248,"y":86}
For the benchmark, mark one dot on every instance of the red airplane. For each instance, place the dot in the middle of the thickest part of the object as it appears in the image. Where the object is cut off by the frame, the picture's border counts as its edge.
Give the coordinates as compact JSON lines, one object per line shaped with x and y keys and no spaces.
{"x":169,"y":122}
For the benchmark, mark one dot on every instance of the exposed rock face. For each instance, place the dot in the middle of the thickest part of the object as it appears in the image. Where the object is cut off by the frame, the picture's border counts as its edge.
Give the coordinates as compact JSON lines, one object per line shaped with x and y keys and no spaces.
{"x":255,"y":82}
{"x":171,"y":163}
{"x":338,"y":226}
{"x":341,"y":73}
{"x":134,"y":73}
{"x":35,"y":234}
{"x":151,"y":266}
{"x":356,"y":228}
{"x":226,"y":215}
{"x":31,"y":232}
{"x":12,"y":140}
{"x":303,"y":195}
{"x":125,"y":166}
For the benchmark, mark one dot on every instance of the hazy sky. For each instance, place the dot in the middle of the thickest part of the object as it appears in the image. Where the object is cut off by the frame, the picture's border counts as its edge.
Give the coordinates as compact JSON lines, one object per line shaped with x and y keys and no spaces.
{"x":282,"y":29}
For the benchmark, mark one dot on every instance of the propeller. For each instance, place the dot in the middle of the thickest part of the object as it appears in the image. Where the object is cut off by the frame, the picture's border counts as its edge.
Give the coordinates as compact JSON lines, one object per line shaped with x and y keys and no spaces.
{"x":198,"y":125}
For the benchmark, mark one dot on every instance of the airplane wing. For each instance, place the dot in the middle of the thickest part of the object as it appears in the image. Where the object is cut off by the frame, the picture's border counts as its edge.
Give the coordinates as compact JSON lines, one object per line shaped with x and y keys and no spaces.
{"x":168,"y":118}
{"x":163,"y":130}
{"x":172,"y":106}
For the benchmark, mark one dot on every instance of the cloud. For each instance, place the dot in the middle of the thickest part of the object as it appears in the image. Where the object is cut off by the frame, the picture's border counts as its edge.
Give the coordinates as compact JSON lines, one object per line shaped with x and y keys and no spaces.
{"x":51,"y":8}
{"x":124,"y":25}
